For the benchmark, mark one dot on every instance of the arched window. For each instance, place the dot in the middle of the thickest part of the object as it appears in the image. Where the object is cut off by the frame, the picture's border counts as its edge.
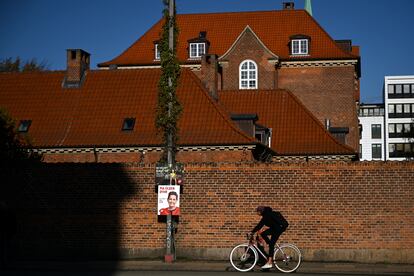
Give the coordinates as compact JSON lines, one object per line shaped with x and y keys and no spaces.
{"x":248,"y":75}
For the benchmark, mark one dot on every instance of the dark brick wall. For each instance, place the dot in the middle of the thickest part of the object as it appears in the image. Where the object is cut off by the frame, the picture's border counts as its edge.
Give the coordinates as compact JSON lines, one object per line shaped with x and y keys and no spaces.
{"x":337,"y":211}
{"x":248,"y":47}
{"x":150,"y":157}
{"x":328,"y":92}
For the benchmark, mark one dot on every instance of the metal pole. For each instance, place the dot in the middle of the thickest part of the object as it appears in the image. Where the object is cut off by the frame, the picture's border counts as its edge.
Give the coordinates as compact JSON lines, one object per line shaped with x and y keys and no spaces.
{"x":171,"y":47}
{"x":170,"y":255}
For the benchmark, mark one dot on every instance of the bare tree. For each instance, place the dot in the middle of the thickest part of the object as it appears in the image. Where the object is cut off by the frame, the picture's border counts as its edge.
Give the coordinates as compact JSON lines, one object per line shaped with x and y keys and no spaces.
{"x":10,"y":65}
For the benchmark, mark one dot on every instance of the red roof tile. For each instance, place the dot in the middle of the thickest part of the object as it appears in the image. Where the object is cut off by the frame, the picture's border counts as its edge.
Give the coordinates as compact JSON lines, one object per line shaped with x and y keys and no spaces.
{"x":273,"y":28}
{"x":295,"y":131}
{"x":93,"y":115}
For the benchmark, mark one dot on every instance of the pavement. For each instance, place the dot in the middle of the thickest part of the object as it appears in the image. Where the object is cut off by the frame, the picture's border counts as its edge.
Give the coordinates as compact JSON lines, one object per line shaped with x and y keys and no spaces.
{"x":191,"y":265}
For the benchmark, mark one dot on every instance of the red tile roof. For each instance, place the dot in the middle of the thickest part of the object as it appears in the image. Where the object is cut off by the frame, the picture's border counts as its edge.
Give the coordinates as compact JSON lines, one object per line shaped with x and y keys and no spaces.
{"x":295,"y":131}
{"x":273,"y":28}
{"x":93,"y":115}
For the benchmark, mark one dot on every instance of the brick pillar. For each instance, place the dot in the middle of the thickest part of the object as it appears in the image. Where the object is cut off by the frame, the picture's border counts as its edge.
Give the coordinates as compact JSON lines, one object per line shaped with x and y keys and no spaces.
{"x":209,"y":74}
{"x":78,"y":62}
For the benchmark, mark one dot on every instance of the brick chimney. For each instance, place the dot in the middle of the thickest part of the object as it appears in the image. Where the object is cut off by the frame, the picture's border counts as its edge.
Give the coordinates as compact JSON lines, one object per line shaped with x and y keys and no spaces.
{"x":288,"y":5}
{"x":78,"y":62}
{"x":209,"y":74}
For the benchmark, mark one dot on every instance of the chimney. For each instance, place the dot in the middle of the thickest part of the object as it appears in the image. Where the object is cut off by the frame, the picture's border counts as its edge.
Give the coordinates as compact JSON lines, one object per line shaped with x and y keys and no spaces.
{"x":327,"y":124}
{"x":288,"y":5}
{"x":345,"y":45}
{"x":209,"y":74}
{"x":202,"y":35}
{"x":78,"y":62}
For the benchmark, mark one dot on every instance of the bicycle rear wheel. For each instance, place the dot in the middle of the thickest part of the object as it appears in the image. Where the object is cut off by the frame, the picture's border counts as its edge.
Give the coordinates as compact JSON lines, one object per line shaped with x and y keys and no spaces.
{"x":243,"y":257}
{"x":287,"y":258}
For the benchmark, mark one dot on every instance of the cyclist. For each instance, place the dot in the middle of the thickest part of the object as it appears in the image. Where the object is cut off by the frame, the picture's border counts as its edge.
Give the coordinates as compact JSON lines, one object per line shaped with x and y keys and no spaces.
{"x":276,"y":226}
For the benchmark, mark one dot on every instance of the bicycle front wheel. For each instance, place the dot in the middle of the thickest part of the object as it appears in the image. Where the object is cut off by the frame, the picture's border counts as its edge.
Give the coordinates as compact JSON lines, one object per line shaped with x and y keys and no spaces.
{"x":243,"y":257}
{"x":287,"y":258}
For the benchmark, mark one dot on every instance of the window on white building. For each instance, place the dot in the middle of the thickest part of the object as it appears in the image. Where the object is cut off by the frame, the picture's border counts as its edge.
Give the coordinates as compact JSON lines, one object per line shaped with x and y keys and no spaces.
{"x":376,"y":151}
{"x":391,"y":109}
{"x":391,"y":128}
{"x":390,"y":89}
{"x":398,"y":89}
{"x":398,"y":108}
{"x":406,"y":89}
{"x":376,"y":131}
{"x":407,"y":108}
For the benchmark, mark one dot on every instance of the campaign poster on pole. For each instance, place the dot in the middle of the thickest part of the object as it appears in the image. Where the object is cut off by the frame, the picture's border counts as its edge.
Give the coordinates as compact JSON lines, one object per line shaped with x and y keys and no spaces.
{"x":168,"y":200}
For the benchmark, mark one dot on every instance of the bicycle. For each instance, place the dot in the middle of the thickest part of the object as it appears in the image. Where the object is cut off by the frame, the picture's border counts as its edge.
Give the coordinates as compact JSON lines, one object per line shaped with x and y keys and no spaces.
{"x":244,"y":257}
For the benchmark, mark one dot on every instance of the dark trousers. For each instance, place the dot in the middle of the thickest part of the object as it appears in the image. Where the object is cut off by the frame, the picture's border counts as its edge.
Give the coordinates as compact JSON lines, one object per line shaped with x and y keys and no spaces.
{"x":274,"y":236}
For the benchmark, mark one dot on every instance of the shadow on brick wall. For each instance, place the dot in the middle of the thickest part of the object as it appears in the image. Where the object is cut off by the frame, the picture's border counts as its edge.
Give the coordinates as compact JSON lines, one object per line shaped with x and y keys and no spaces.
{"x":64,"y":212}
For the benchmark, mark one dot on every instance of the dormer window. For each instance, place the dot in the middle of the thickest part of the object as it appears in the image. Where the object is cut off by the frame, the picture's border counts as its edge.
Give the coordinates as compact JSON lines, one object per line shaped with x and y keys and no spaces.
{"x":299,"y":45}
{"x":198,"y":46}
{"x":197,"y":50}
{"x":128,"y":124}
{"x":248,"y":75}
{"x":157,"y":52}
{"x":24,"y":125}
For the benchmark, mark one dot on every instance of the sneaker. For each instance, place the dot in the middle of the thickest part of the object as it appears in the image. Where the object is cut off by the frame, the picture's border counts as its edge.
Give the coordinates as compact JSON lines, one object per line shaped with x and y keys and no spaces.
{"x":266,"y":266}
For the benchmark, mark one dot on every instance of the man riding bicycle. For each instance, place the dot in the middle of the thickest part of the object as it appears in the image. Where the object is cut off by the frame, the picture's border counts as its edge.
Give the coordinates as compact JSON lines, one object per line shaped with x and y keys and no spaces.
{"x":277,"y":225}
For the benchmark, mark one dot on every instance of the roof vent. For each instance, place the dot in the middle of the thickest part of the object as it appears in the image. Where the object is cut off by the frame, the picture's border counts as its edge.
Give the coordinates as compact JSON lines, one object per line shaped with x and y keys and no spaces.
{"x":288,"y":5}
{"x":202,"y":34}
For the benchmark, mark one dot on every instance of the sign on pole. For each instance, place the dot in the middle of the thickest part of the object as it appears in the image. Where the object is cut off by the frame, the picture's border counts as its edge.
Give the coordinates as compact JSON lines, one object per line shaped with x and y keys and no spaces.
{"x":168,"y":200}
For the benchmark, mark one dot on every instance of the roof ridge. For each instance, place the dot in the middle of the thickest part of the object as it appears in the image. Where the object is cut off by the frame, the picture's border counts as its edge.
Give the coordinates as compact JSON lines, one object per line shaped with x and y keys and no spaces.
{"x":218,"y":107}
{"x":33,"y":72}
{"x":313,"y":117}
{"x":103,"y":64}
{"x":328,"y":35}
{"x":238,"y":39}
{"x":229,"y":12}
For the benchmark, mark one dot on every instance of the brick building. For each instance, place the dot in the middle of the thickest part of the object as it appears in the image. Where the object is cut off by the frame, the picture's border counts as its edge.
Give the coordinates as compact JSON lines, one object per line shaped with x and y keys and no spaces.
{"x":269,"y":84}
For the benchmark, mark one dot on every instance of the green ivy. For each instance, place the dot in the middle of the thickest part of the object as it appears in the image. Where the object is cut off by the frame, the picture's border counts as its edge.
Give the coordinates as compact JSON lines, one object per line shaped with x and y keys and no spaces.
{"x":170,"y":68}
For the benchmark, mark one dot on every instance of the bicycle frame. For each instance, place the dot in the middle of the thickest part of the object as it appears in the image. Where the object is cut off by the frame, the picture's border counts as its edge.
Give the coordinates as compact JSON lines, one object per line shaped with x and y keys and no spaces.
{"x":277,"y":247}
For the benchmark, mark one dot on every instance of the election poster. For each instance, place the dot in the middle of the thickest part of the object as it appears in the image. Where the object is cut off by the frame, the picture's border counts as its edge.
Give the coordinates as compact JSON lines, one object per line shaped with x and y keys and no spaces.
{"x":168,"y":200}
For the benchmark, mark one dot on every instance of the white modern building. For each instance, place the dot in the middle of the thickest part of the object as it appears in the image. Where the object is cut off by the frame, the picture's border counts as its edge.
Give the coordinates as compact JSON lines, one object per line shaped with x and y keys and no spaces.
{"x":399,"y":117}
{"x":372,"y":120}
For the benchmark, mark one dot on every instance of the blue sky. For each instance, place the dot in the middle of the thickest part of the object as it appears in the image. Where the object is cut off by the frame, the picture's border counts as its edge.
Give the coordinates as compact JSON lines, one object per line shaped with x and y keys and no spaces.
{"x":44,"y":29}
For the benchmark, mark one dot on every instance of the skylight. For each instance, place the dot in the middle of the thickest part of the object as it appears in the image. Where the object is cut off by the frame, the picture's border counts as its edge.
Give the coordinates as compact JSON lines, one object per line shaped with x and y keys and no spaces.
{"x":24,"y":125}
{"x":128,"y":124}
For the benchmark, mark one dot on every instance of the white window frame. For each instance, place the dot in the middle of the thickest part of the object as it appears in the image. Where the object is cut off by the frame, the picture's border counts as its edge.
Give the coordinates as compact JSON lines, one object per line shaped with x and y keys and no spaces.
{"x":157,"y":52}
{"x":244,"y":82}
{"x":200,"y":49}
{"x":302,"y":46}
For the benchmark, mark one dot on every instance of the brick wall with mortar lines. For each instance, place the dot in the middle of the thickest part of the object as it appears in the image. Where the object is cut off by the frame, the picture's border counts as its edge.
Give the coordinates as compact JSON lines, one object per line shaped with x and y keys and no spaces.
{"x":148,"y":157}
{"x":328,"y":92}
{"x":248,"y":47}
{"x":337,"y":211}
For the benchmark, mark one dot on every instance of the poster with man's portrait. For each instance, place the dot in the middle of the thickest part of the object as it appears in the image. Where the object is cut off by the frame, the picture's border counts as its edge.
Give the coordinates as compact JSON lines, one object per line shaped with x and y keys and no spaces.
{"x":168,"y":200}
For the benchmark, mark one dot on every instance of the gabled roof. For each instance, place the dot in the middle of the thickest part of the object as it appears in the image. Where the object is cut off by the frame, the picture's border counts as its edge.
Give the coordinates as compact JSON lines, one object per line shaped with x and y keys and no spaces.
{"x":93,"y":114}
{"x":273,"y":28}
{"x":295,"y":131}
{"x":239,"y":38}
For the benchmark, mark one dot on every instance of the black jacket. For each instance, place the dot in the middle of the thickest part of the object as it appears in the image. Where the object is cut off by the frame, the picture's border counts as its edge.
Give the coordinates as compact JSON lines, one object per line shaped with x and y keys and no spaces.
{"x":270,"y":219}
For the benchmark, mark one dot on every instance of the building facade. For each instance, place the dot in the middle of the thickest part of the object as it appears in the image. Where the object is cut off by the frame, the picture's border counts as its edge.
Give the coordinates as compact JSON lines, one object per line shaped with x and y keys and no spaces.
{"x":251,"y":88}
{"x":399,"y":117}
{"x":372,"y":133}
{"x":264,"y":50}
